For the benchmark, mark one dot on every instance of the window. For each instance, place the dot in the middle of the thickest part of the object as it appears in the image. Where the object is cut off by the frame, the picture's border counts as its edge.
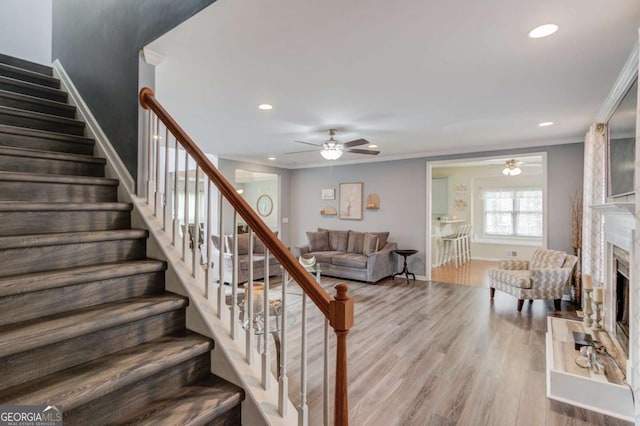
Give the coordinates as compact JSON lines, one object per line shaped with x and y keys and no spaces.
{"x":513,"y":212}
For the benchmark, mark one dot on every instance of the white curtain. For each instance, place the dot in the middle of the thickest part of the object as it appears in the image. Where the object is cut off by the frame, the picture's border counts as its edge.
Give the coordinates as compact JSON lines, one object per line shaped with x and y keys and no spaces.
{"x":595,"y":192}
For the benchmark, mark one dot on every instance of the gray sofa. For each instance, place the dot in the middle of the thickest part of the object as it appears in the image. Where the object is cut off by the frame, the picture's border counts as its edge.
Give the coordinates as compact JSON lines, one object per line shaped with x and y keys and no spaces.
{"x":243,"y":258}
{"x":361,"y":256}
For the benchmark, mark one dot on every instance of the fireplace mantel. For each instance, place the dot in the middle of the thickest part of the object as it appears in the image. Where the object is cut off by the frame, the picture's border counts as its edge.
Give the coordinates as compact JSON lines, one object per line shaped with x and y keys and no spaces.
{"x":616,"y":208}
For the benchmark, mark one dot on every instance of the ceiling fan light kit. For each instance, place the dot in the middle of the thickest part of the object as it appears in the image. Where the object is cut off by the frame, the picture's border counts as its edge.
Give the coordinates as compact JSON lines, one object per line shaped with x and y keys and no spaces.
{"x":333,"y":149}
{"x":512,"y":168}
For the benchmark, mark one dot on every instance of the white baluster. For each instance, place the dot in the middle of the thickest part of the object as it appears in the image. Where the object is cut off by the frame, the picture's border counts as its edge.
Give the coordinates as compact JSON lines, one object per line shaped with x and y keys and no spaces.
{"x":234,"y":279}
{"x":149,"y":157}
{"x":266,"y":355}
{"x":325,"y":381}
{"x":207,"y":272}
{"x":176,"y":219}
{"x":156,"y":183}
{"x":248,"y":305}
{"x":283,"y":381}
{"x":165,"y":204}
{"x":220,"y":259}
{"x":303,"y":410}
{"x":195,"y":260}
{"x":186,"y":205}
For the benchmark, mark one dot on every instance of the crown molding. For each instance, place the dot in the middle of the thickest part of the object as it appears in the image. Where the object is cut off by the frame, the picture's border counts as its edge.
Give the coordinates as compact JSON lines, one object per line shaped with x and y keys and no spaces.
{"x":152,"y":57}
{"x":625,"y":79}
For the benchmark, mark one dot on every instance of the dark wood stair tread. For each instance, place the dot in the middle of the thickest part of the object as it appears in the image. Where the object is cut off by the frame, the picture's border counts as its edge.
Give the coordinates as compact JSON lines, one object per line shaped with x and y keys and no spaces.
{"x":41,"y":116}
{"x":38,"y":281}
{"x":11,"y":206}
{"x":58,"y":94}
{"x":44,"y":134}
{"x":87,"y":382}
{"x":50,"y":155}
{"x":60,"y":238}
{"x":47,"y":178}
{"x":36,"y":100}
{"x":200,"y":403}
{"x":30,"y":75}
{"x":26,"y":65}
{"x":20,"y":337}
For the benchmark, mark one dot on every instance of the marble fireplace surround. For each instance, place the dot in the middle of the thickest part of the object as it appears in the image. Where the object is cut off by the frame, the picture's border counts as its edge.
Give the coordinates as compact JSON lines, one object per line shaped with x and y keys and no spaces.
{"x":619,"y":231}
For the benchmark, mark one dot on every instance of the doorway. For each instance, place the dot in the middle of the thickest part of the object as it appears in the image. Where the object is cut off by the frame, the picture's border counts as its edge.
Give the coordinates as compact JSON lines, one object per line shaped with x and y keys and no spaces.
{"x":261,"y":191}
{"x":504,"y":210}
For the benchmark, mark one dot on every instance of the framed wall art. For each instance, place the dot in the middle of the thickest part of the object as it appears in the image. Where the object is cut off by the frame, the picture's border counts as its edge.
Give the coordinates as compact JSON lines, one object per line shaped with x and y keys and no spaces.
{"x":328,"y":194}
{"x":350,"y":204}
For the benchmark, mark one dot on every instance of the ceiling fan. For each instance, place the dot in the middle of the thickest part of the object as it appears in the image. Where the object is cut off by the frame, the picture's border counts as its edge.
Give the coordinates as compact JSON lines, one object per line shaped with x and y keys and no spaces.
{"x":512,"y":168}
{"x":332,"y":149}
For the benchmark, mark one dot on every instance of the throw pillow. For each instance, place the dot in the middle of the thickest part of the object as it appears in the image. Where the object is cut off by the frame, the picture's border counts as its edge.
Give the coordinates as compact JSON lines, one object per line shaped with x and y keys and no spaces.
{"x":243,"y":243}
{"x":258,"y":245}
{"x":383,"y":237}
{"x":318,"y":241}
{"x":338,"y":240}
{"x":370,"y":244}
{"x":356,"y":241}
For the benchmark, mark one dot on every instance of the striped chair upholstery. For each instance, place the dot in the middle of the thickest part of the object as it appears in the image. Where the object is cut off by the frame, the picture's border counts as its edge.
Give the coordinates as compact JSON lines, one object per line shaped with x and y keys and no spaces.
{"x":545,"y":276}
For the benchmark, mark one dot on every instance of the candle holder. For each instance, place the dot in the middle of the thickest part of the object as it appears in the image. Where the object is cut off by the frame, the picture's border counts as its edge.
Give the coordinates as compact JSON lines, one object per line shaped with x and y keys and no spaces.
{"x":586,"y":317}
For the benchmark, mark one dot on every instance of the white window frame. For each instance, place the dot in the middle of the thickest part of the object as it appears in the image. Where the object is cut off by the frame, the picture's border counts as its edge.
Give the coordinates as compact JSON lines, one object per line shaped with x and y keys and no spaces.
{"x":514,"y":213}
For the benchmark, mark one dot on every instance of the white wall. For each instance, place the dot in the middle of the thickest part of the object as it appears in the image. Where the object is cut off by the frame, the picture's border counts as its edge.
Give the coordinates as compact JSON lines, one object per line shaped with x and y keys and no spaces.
{"x":25,"y":29}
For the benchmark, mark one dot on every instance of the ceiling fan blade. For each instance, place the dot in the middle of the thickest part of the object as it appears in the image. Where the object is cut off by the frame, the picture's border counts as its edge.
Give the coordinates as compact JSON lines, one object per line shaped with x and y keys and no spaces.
{"x":300,"y":152}
{"x":363,"y":151}
{"x":356,"y":142}
{"x":309,"y":143}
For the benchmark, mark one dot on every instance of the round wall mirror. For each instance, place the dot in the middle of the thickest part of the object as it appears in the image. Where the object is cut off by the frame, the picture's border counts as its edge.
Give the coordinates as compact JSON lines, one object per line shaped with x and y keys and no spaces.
{"x":264,"y":205}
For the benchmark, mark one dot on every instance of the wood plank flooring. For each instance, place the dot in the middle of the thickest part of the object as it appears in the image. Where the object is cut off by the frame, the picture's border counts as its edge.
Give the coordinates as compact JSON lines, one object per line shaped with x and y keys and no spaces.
{"x":473,"y":273}
{"x":431,"y":353}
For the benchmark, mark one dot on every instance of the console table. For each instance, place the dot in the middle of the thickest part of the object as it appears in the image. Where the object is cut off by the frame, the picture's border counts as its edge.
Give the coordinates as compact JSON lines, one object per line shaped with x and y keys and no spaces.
{"x":567,"y":382}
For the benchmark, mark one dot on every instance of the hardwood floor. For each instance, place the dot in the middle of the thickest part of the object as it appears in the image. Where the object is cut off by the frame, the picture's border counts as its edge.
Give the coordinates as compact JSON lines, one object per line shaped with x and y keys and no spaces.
{"x":473,"y":273}
{"x":431,"y":353}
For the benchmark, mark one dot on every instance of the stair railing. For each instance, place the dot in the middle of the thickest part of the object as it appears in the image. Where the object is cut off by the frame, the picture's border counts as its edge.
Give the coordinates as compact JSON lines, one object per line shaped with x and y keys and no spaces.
{"x":189,"y":161}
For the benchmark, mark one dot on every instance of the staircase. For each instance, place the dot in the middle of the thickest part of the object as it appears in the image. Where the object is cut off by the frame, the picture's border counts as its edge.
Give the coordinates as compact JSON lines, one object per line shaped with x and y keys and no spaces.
{"x":85,"y":321}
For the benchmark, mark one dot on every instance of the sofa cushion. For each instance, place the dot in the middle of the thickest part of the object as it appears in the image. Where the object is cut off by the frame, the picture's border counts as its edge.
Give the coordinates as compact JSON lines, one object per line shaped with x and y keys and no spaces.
{"x":383,"y":237}
{"x":337,"y":239}
{"x":545,"y":258}
{"x":521,"y":279}
{"x":258,"y":245}
{"x":352,"y":260}
{"x":356,"y":241}
{"x":243,"y":243}
{"x":318,"y":241}
{"x":370,"y":244}
{"x":322,"y":256}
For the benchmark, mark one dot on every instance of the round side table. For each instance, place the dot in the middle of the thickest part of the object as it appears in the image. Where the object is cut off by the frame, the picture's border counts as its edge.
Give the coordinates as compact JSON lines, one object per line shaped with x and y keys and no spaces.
{"x":405,"y":270}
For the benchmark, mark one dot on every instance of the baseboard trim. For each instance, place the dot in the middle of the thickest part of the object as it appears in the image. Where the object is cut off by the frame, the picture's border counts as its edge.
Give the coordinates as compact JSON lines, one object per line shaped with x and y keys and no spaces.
{"x":103,"y":146}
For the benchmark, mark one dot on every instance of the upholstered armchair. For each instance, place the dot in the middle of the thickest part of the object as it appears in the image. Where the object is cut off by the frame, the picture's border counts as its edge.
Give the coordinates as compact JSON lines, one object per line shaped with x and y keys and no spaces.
{"x":545,"y":276}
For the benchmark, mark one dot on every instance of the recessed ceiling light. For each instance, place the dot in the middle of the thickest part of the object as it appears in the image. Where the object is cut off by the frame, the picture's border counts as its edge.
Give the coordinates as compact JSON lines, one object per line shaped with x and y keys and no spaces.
{"x":546,"y":124}
{"x":272,"y":158}
{"x":265,"y":107}
{"x":373,"y":145}
{"x":543,"y":31}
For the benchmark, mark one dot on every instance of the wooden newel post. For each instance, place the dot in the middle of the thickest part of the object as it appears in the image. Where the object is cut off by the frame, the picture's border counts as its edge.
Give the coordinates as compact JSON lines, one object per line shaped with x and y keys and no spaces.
{"x":341,"y":319}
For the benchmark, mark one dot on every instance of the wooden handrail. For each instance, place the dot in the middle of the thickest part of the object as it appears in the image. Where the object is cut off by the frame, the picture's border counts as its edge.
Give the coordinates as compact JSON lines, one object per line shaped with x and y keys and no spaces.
{"x":339,"y":310}
{"x":316,"y":293}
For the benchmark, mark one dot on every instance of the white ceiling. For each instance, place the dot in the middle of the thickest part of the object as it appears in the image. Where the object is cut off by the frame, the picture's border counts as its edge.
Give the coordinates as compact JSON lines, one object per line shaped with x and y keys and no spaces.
{"x":416,"y":77}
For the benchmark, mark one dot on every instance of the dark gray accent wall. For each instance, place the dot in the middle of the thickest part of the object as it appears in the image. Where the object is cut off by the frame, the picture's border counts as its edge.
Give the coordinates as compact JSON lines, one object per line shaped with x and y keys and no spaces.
{"x":98,"y":44}
{"x":401,"y":186}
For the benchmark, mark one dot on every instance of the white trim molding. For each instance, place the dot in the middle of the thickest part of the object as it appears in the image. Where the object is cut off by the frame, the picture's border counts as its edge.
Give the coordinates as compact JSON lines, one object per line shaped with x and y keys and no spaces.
{"x":152,"y":57}
{"x":115,"y":168}
{"x":624,"y":81}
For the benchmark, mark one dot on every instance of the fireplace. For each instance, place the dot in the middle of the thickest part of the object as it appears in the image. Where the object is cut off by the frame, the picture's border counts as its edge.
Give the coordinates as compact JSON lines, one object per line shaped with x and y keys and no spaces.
{"x":621,"y":306}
